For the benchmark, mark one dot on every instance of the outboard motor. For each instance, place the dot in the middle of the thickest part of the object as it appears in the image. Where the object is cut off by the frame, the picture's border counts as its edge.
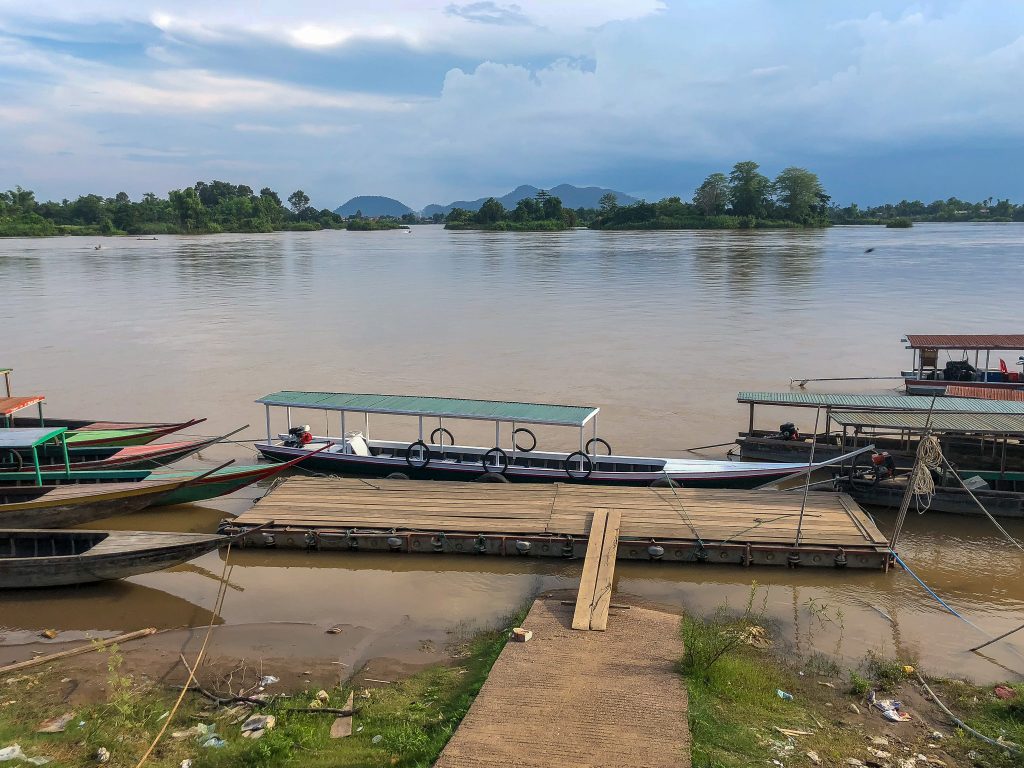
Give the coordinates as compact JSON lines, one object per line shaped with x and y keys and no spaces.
{"x":299,"y":437}
{"x":884,"y":465}
{"x":788,"y":431}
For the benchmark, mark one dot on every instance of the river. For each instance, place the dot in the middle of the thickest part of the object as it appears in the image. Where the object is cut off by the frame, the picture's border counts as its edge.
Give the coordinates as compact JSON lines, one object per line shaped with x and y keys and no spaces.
{"x":658,"y":329}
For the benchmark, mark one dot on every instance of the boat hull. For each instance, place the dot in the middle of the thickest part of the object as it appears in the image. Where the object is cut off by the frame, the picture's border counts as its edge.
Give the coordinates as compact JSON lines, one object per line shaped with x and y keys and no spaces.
{"x":441,"y":470}
{"x":112,"y":457}
{"x":67,"y":506}
{"x":120,"y":555}
{"x":954,"y":501}
{"x":119,"y":434}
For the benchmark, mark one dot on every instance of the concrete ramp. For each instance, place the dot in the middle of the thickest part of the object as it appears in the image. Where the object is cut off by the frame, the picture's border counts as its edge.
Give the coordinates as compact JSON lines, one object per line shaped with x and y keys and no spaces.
{"x":585,"y":699}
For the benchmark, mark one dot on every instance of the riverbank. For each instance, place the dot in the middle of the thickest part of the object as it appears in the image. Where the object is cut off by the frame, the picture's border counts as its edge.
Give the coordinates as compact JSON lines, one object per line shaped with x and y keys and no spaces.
{"x":116,"y":700}
{"x":754,"y":701}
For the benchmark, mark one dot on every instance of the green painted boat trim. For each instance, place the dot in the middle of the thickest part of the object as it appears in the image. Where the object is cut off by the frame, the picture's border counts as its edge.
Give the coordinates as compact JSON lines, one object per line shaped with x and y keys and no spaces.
{"x":111,"y":437}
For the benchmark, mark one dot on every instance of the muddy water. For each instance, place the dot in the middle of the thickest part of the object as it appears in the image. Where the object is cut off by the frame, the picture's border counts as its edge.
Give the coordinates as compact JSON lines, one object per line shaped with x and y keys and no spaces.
{"x":659,"y":330}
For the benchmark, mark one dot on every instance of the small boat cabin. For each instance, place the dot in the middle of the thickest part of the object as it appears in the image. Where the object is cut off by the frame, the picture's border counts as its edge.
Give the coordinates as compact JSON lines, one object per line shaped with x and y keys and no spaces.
{"x":941,"y":360}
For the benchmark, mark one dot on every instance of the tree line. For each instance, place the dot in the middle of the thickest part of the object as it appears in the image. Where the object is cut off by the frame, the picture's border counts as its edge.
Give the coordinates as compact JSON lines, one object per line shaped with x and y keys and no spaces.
{"x":544,"y":212}
{"x":206,"y":207}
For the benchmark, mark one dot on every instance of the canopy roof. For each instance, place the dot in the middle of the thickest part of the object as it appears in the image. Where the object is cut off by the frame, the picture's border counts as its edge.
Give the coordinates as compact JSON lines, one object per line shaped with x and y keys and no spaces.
{"x":28,"y":438}
{"x":980,"y":341}
{"x":880,"y":402}
{"x":448,"y":407}
{"x":9,"y":405}
{"x":983,"y":423}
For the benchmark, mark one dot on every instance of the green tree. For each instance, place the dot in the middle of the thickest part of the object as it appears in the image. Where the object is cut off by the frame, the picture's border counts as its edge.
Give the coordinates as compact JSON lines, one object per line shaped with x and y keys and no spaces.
{"x":608,"y":202}
{"x":270,"y":194}
{"x":799,"y":194}
{"x":712,"y":195}
{"x":299,"y":201}
{"x":749,"y":190}
{"x":187,"y":207}
{"x":490,"y":212}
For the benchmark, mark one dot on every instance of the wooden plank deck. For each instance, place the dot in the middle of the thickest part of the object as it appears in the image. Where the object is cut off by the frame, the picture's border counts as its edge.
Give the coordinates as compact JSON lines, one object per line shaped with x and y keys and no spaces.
{"x":589,"y":699}
{"x":554,"y":519}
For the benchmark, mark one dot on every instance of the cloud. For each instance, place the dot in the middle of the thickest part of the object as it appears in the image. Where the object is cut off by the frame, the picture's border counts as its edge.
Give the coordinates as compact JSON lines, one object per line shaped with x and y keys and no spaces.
{"x":428,"y":100}
{"x":488,"y":12}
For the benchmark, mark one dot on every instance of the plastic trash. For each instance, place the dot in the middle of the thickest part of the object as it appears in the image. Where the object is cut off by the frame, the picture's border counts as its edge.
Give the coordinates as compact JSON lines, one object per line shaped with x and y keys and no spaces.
{"x":890,"y":708}
{"x":269,"y":680}
{"x":783,"y":695}
{"x":102,"y":755}
{"x":213,"y":740}
{"x":12,"y":752}
{"x":1004,"y":692}
{"x":323,"y":697}
{"x":259,"y":723}
{"x":377,"y":739}
{"x":55,"y":724}
{"x":186,"y":763}
{"x":40,"y":760}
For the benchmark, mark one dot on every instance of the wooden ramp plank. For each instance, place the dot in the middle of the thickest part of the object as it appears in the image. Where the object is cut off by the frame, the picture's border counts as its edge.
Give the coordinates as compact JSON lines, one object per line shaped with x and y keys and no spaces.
{"x":583,"y":699}
{"x":591,"y":565}
{"x":605,"y":572}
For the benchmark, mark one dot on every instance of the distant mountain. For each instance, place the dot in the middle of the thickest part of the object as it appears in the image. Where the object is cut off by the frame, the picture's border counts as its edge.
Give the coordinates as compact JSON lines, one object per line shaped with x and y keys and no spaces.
{"x":571,"y":197}
{"x":373,"y":205}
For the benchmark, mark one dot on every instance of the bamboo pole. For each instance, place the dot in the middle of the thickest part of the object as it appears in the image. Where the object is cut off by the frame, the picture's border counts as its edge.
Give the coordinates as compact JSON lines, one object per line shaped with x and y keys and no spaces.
{"x":97,"y":646}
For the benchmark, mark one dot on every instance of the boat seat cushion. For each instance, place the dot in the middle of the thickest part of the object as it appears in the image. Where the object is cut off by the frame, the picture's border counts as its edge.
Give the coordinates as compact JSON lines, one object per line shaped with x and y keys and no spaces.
{"x":357,"y":444}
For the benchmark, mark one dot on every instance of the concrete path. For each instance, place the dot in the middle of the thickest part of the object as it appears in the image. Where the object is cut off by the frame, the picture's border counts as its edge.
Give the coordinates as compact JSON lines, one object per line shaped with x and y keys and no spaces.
{"x":575,"y":698}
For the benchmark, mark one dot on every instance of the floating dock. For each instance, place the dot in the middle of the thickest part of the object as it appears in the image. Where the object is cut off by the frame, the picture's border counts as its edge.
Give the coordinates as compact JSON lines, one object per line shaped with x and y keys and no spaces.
{"x":609,"y":699}
{"x":553,"y":520}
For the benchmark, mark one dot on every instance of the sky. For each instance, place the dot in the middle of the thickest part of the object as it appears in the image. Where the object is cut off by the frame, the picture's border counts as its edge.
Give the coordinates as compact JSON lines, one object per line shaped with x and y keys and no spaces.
{"x":436,"y":101}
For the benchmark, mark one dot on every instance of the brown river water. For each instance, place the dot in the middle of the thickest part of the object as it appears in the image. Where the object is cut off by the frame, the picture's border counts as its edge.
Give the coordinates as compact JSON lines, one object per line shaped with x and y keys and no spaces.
{"x":658,"y":329}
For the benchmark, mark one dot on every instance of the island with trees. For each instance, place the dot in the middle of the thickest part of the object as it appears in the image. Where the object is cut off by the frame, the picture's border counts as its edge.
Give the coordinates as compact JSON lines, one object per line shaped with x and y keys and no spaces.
{"x":542,"y":213}
{"x":205,"y":208}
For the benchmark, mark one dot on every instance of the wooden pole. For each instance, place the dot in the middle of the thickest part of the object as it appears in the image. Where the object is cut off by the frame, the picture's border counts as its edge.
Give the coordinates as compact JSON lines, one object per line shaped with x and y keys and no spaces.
{"x":994,"y":639}
{"x":97,"y":646}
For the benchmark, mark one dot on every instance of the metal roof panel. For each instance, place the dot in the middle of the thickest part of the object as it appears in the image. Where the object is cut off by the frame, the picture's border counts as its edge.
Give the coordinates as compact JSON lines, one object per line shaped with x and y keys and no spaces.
{"x":966,"y":340}
{"x":451,"y":407}
{"x":984,"y":423}
{"x":880,"y":402}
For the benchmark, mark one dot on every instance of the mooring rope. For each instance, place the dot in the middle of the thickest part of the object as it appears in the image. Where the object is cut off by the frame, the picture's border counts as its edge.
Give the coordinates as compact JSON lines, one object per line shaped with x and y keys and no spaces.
{"x":931,"y":592}
{"x":218,"y":604}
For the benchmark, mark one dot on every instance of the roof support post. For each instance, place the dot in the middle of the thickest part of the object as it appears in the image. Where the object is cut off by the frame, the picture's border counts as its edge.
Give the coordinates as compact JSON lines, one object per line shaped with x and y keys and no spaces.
{"x":988,"y":353}
{"x":750,"y":427}
{"x":35,"y":461}
{"x":421,"y":428}
{"x":267,"y":407}
{"x":288,"y":418}
{"x":343,"y":428}
{"x":67,"y":461}
{"x":41,"y":424}
{"x":594,"y":450}
{"x":366,"y":425}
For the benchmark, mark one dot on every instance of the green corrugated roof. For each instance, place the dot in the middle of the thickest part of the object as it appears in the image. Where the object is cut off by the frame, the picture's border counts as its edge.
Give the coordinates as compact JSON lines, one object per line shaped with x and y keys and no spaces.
{"x":881,"y":402}
{"x":449,"y":407}
{"x":985,"y":423}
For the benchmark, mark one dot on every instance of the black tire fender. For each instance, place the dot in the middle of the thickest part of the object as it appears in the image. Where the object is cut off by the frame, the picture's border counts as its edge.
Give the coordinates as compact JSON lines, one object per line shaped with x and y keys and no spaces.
{"x":525,"y":431}
{"x":492,"y":477}
{"x":600,"y":440}
{"x":442,"y":432}
{"x":498,"y":452}
{"x":408,"y":455}
{"x":585,"y":461}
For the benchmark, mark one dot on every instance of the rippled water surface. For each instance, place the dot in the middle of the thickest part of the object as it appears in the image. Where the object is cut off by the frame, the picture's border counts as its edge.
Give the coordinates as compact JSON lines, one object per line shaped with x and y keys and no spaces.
{"x":658,"y":329}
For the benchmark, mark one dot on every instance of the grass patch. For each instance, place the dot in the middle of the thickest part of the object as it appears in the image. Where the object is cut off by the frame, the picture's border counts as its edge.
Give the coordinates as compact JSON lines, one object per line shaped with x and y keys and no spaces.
{"x":414,"y":719}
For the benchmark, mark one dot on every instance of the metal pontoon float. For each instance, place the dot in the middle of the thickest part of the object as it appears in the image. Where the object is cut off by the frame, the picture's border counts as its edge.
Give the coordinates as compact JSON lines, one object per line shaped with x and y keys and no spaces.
{"x":435,"y":456}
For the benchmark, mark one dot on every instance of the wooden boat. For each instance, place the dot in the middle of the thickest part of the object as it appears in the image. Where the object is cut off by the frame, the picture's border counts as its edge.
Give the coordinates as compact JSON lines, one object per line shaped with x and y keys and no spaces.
{"x":201,"y":485}
{"x":950,"y":497}
{"x":430,"y":458}
{"x":927,"y":378}
{"x":110,"y":458}
{"x":52,"y":558}
{"x":86,"y":432}
{"x":61,"y":506}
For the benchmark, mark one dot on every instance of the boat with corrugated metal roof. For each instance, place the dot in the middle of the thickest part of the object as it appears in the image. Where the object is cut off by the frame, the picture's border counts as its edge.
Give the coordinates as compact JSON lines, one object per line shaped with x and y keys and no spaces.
{"x":942,"y":360}
{"x":434,"y":454}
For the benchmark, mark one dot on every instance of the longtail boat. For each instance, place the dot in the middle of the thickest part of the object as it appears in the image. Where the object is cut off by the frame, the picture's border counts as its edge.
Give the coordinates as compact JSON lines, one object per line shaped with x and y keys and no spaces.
{"x":518,"y":460}
{"x":202,"y":485}
{"x":85,"y":459}
{"x":49,"y":558}
{"x":86,"y":432}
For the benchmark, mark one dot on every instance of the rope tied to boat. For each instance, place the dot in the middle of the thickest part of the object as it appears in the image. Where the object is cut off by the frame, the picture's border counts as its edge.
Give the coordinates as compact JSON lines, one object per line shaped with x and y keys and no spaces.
{"x":218,"y":604}
{"x":922,"y":482}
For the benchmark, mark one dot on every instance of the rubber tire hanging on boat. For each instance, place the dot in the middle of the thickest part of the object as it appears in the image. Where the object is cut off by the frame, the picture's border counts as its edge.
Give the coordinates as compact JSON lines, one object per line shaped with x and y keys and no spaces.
{"x":525,"y":431}
{"x":18,"y":462}
{"x":492,"y":477}
{"x":569,"y":470}
{"x":665,"y":482}
{"x":397,"y":476}
{"x":443,"y":432}
{"x":497,"y":452}
{"x":598,"y":440}
{"x":408,"y":455}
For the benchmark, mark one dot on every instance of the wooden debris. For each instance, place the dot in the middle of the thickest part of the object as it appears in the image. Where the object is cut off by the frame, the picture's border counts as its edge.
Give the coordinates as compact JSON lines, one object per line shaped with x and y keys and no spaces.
{"x":521,"y":635}
{"x":342,"y":726}
{"x":94,"y":646}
